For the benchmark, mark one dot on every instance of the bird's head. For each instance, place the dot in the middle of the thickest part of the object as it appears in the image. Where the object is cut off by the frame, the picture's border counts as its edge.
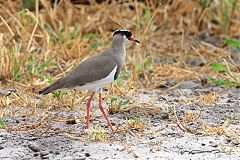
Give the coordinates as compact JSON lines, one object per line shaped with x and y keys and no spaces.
{"x":124,"y":36}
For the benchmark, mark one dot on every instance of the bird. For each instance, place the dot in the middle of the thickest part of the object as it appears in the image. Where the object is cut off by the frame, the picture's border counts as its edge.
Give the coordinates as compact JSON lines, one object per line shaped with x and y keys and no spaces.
{"x":96,"y":72}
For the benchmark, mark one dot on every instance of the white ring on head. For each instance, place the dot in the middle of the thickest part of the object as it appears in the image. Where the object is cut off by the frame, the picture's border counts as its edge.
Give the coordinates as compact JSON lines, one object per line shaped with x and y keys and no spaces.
{"x":122,"y":30}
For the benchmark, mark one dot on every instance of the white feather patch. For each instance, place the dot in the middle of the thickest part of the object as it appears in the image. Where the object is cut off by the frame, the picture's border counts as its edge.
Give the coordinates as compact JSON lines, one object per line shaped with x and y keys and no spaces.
{"x":97,"y":85}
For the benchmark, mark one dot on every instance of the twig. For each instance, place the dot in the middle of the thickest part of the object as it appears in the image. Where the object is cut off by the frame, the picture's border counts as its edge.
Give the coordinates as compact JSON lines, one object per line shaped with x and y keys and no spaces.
{"x":73,"y":137}
{"x":8,"y":27}
{"x":178,"y":122}
{"x":32,"y":35}
{"x":231,"y":16}
{"x":150,"y":21}
{"x":230,"y":72}
{"x":200,"y":151}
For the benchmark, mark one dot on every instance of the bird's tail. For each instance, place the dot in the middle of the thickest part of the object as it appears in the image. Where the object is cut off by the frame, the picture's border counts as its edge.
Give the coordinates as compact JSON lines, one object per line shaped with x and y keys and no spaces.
{"x":55,"y":86}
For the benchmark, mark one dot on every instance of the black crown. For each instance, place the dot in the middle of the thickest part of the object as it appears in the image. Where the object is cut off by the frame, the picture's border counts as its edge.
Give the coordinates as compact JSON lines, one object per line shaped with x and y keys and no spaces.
{"x":125,"y":32}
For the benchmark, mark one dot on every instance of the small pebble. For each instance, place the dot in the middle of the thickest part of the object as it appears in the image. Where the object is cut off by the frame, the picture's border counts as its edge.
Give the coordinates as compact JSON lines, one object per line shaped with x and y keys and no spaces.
{"x":45,"y":157}
{"x":34,"y":148}
{"x":120,"y":148}
{"x":235,"y":142}
{"x":164,"y":116}
{"x":71,"y":121}
{"x":136,"y":154}
{"x":35,"y":154}
{"x":204,"y":81}
{"x":87,"y":154}
{"x":80,"y":158}
{"x":150,"y":138}
{"x":57,"y":152}
{"x":213,"y":145}
{"x":228,"y":140}
{"x":17,"y":121}
{"x":44,"y":153}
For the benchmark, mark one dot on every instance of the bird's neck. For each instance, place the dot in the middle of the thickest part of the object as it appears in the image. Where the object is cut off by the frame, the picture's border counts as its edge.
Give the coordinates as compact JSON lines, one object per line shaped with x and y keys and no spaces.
{"x":118,"y":47}
{"x":119,"y":51}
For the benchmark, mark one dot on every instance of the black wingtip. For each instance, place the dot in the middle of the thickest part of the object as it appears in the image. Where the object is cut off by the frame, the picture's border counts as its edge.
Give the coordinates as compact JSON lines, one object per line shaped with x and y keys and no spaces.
{"x":40,"y":92}
{"x":44,"y":91}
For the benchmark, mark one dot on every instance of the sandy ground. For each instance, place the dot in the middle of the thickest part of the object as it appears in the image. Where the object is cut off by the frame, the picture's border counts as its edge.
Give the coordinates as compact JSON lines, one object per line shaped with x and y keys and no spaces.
{"x":214,"y":134}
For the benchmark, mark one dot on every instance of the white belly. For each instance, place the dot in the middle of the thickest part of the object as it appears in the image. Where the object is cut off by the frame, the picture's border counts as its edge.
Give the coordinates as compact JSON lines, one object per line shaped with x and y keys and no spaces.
{"x":97,"y":85}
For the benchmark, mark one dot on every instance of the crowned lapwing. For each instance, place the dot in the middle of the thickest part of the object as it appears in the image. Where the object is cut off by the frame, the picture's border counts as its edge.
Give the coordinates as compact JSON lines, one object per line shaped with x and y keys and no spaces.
{"x":96,"y":71}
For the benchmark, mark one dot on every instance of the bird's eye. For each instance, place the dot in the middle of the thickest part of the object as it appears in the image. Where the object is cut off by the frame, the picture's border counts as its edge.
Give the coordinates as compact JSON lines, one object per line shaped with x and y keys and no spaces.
{"x":122,"y":34}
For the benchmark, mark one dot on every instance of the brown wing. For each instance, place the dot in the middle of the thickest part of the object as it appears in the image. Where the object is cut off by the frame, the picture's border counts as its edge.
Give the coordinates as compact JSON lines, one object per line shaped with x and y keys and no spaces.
{"x":90,"y":70}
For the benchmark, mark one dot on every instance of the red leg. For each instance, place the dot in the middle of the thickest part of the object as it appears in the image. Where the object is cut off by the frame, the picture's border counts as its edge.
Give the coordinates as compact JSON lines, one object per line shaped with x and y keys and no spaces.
{"x":88,"y":108}
{"x":104,"y":114}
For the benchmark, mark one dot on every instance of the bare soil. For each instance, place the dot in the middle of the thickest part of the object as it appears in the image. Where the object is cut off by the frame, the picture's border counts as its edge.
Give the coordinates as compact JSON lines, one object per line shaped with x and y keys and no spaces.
{"x":212,"y":134}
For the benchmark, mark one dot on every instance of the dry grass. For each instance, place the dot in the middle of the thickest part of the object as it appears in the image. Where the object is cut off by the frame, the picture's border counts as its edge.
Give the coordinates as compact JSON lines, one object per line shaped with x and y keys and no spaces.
{"x":37,"y":47}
